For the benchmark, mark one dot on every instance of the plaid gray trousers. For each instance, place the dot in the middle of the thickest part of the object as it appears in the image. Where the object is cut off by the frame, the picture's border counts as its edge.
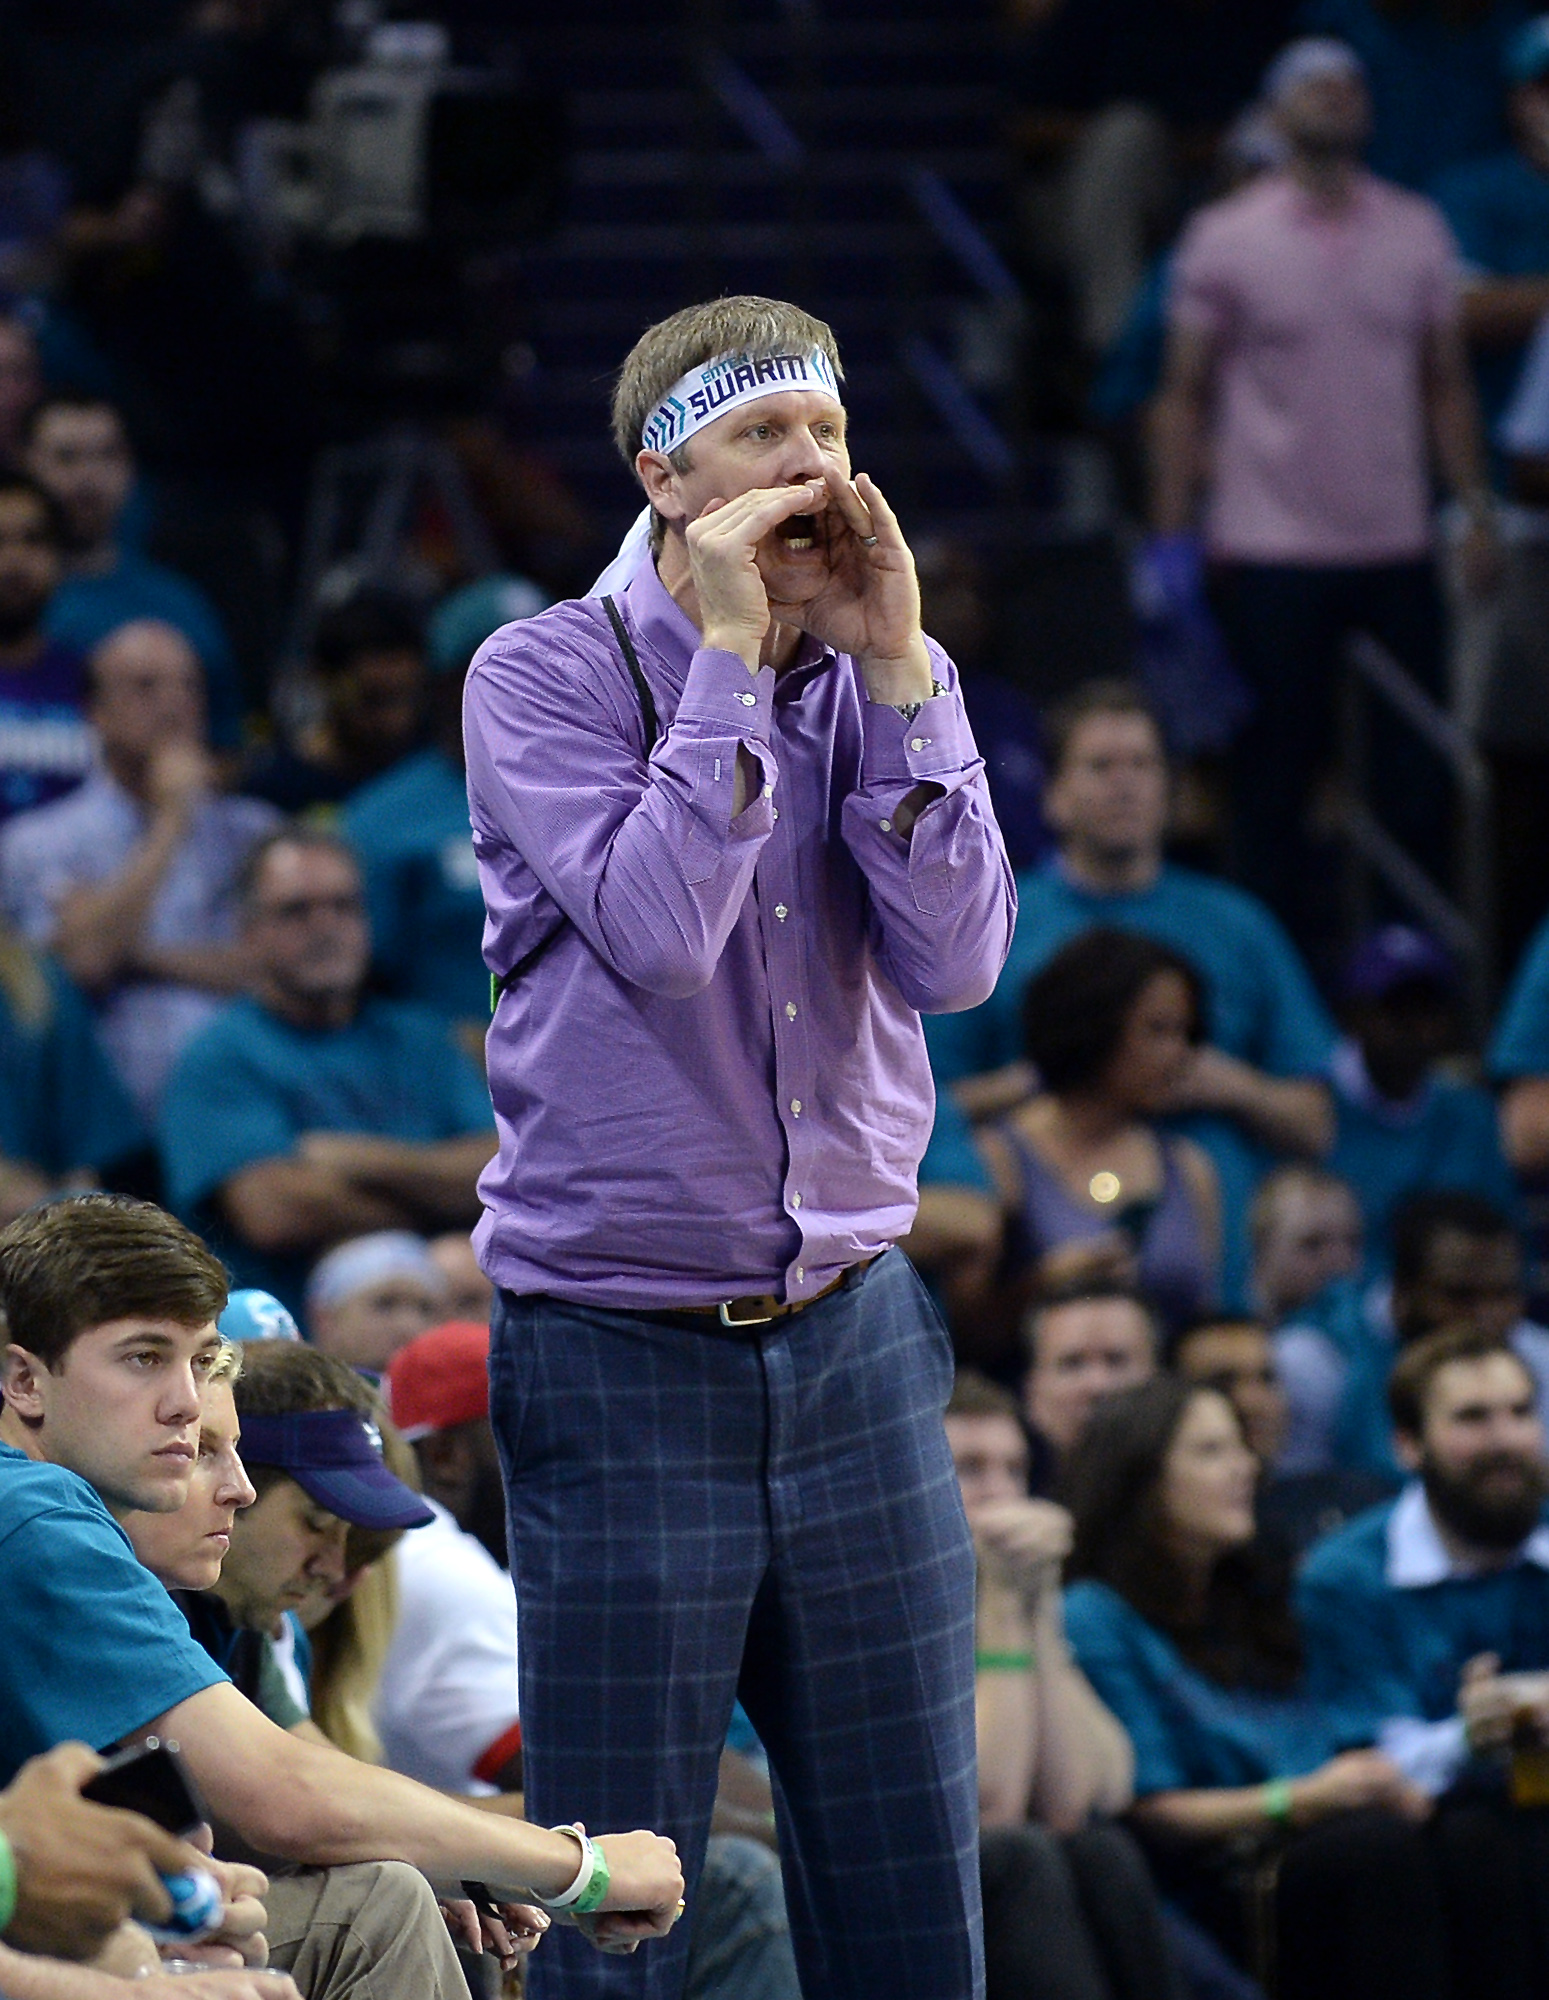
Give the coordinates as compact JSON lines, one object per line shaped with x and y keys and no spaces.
{"x":697,"y":1514}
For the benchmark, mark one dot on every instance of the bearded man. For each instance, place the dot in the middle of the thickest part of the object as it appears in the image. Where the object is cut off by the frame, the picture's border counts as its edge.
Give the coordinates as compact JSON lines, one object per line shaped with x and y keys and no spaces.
{"x":734,"y":838}
{"x":1430,"y":1613}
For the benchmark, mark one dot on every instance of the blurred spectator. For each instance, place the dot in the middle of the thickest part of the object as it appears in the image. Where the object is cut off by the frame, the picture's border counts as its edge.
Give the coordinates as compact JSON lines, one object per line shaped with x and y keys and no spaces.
{"x":956,"y":1237}
{"x":411,"y":830}
{"x":65,"y":1118}
{"x":470,"y":1294}
{"x":369,"y":658}
{"x":1237,"y":1357}
{"x":45,"y":745}
{"x":1457,"y":1261}
{"x":21,"y":384}
{"x":1435,"y":70}
{"x":1498,"y":210}
{"x":1399,"y":1604}
{"x":1079,"y":1350}
{"x":447,"y":1704}
{"x":1130,"y":92}
{"x":1402,"y":1125}
{"x":1256,"y":1085}
{"x":956,"y":610}
{"x":1519,"y":1059}
{"x":132,"y":879}
{"x":1069,"y":1907}
{"x":1314,"y":349}
{"x":254,"y":1315}
{"x":77,"y":447}
{"x":313,"y":1111}
{"x":1306,"y":1233}
{"x":1096,"y":1193}
{"x":1182,"y":1622}
{"x":371,"y":1295}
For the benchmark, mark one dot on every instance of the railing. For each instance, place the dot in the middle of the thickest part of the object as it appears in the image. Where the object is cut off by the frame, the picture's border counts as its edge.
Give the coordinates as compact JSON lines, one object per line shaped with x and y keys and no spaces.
{"x":1464,"y":920}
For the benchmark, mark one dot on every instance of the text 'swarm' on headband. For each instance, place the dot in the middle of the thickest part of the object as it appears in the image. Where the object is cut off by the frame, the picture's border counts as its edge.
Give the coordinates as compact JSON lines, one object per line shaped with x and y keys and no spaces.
{"x":709,"y":391}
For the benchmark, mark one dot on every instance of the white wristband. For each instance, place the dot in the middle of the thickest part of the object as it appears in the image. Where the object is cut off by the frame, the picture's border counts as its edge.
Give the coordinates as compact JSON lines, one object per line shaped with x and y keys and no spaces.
{"x":583,"y":1874}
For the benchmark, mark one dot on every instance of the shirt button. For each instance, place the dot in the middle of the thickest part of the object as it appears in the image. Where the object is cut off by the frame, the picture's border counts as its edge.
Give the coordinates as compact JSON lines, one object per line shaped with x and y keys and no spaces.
{"x":886,"y":825}
{"x":801,"y":1276}
{"x":795,"y":1107}
{"x":919,"y":742}
{"x":795,"y":1201}
{"x":769,"y":791}
{"x":790,"y":1010}
{"x":774,"y":812}
{"x":781,"y":912}
{"x":748,"y":700}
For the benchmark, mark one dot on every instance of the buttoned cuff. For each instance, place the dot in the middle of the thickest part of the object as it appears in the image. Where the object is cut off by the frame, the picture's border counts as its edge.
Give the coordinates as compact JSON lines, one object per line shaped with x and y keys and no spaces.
{"x":935,"y":745}
{"x":721,"y":693}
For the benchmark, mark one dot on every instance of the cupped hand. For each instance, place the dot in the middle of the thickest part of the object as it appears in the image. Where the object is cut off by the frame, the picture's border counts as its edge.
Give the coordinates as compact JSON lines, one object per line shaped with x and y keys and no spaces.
{"x":645,"y":1879}
{"x":734,"y":608}
{"x":1361,"y":1779}
{"x":1022,"y":1543}
{"x":1093,"y":1260}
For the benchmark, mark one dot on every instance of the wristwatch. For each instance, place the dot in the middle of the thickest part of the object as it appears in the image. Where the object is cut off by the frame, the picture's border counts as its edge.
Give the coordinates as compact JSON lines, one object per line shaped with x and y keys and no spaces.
{"x":910,"y":709}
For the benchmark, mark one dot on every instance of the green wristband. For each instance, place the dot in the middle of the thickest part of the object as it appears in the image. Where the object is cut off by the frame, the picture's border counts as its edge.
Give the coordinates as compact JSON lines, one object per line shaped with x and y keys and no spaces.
{"x":1006,"y":1663}
{"x":7,"y":1883}
{"x":1277,"y":1801}
{"x":596,"y":1890}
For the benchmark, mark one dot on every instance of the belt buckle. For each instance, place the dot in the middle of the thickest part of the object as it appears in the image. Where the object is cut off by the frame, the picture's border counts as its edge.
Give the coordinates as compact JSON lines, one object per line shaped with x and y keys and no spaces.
{"x":724,"y":1315}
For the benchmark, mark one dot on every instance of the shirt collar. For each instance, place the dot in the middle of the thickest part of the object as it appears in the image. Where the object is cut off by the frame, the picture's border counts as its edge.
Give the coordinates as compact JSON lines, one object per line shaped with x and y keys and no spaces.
{"x":674,"y":637}
{"x":1417,"y":1556}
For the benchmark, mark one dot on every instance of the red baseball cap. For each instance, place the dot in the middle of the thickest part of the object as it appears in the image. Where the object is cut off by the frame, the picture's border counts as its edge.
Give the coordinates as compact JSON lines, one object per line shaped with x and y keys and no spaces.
{"x":440,"y":1379}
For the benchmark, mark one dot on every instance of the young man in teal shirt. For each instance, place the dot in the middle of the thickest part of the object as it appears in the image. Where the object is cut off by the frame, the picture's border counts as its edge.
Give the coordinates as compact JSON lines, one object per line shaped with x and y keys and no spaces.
{"x":1256,"y":1090}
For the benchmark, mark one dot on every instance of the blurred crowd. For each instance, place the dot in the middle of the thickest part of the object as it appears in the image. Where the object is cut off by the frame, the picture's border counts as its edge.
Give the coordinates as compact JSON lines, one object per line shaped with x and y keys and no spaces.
{"x":1232,"y":1206}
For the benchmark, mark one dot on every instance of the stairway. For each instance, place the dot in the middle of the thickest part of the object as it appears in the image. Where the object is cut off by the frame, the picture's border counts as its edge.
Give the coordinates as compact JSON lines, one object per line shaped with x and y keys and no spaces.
{"x":760,"y":147}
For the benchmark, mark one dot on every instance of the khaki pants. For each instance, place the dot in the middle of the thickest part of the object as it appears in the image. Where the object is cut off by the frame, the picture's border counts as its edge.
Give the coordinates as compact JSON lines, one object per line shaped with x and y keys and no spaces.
{"x":370,"y":1931}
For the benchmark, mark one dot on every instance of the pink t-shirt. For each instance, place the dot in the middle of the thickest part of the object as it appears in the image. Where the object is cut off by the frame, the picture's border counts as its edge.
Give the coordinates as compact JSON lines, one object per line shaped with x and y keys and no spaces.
{"x":1318,"y":435}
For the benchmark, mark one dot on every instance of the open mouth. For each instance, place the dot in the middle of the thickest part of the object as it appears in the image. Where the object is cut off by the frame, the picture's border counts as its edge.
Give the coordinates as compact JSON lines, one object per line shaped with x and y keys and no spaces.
{"x":800,"y":531}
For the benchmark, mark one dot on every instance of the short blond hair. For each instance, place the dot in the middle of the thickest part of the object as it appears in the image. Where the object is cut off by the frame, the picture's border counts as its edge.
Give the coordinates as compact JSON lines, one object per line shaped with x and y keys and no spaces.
{"x":743,"y":325}
{"x":227,"y":1365}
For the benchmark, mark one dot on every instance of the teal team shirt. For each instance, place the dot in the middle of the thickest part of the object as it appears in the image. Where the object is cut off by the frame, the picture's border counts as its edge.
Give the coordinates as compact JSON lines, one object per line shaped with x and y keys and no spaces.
{"x":411,"y":831}
{"x":94,"y":1648}
{"x":1189,"y":1732}
{"x":250,"y":1085}
{"x":1259,"y":1001}
{"x":62,"y":1105}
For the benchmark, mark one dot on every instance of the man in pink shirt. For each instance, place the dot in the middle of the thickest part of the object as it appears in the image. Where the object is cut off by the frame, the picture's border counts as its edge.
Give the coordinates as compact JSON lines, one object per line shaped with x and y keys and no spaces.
{"x":1315,"y":370}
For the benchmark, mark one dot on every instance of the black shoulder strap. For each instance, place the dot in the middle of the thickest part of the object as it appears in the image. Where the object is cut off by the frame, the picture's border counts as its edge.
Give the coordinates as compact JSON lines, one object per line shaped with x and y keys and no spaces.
{"x":502,"y":983}
{"x":632,"y":661}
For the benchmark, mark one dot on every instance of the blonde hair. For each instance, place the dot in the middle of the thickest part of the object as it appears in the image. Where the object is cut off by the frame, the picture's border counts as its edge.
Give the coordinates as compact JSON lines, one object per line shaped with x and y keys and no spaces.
{"x":227,"y":1365}
{"x":745,"y":324}
{"x":349,"y":1647}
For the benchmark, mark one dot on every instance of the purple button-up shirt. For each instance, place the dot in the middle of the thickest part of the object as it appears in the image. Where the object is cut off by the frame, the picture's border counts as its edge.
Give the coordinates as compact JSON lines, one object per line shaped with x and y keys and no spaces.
{"x":714,"y":1081}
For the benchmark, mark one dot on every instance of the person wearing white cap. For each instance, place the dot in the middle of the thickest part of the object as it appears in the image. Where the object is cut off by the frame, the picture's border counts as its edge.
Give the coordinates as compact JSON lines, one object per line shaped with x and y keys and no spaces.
{"x":1315,"y":379}
{"x":367,"y":1297}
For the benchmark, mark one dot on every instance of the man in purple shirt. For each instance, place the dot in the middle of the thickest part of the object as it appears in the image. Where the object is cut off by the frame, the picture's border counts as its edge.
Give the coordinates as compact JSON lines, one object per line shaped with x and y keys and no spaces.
{"x":731,"y":846}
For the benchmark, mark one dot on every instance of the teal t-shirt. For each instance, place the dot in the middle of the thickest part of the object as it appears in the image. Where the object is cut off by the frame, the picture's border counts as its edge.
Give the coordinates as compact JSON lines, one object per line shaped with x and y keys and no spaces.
{"x":1190,"y":1733}
{"x":1449,"y":1139}
{"x":411,"y":830}
{"x":1521,"y":1044}
{"x":248,"y":1087}
{"x":61,"y":1102}
{"x":1402,"y":1652}
{"x":93,"y":1647}
{"x":1260,"y":1005}
{"x":951,"y":1158}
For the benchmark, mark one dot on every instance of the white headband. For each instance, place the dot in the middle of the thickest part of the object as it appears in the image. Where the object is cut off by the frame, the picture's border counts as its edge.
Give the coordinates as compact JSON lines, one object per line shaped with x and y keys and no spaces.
{"x":709,"y":391}
{"x":697,"y":399}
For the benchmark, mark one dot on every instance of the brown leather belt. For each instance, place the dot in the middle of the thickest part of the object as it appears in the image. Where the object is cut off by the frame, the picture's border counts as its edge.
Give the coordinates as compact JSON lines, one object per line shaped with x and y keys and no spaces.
{"x":762,"y":1308}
